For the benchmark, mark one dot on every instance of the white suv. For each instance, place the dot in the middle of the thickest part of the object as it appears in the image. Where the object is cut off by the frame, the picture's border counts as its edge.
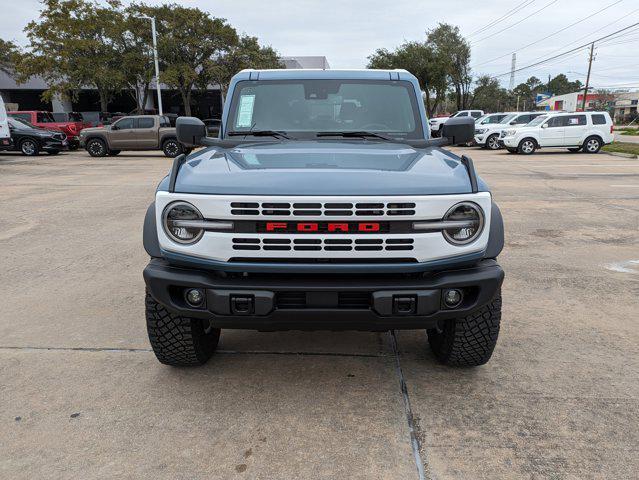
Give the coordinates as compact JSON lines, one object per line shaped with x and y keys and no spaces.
{"x":487,"y":135}
{"x":437,"y":123}
{"x":587,"y":131}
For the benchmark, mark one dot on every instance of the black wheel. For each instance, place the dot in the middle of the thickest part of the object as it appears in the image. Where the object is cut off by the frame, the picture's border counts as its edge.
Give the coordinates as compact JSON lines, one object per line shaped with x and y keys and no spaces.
{"x":172,"y":148}
{"x":511,"y":150}
{"x":29,"y":147}
{"x":527,"y":146}
{"x":468,"y":341}
{"x":492,"y":142}
{"x":592,"y":145}
{"x":177,"y":340}
{"x":574,"y":150}
{"x":53,"y":152}
{"x":114,"y":152}
{"x":96,"y":147}
{"x":73,"y":147}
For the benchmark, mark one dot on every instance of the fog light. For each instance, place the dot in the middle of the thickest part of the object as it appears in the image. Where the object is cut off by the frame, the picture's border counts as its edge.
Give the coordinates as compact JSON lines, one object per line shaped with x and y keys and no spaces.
{"x":452,"y":298}
{"x":194,"y":297}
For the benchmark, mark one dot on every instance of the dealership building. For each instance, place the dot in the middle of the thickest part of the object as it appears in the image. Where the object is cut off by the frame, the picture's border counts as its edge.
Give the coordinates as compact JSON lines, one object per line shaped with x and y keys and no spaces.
{"x":206,"y":104}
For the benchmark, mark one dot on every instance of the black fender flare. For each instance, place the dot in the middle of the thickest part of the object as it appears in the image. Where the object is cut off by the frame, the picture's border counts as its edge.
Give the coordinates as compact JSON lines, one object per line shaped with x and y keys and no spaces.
{"x":150,"y":233}
{"x":496,"y":235}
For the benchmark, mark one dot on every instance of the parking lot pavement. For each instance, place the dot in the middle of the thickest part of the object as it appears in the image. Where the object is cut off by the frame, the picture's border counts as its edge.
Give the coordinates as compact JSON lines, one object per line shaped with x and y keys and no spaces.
{"x":83,"y":396}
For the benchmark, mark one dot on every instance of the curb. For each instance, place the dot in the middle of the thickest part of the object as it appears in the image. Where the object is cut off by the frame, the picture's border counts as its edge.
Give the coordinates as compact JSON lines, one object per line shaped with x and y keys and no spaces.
{"x":621,"y":154}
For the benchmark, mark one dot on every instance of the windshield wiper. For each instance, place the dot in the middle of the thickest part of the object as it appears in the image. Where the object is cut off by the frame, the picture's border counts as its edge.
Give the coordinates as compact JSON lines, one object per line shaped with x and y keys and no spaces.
{"x":349,"y":134}
{"x":261,"y":133}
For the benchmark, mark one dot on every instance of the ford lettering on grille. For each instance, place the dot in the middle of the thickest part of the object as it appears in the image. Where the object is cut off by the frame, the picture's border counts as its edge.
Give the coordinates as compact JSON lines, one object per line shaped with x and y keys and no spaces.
{"x":323,"y":227}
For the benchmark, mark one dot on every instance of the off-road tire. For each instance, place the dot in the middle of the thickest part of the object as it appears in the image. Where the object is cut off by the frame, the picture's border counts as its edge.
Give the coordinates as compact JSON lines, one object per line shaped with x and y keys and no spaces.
{"x":29,"y":147}
{"x":176,"y":340}
{"x":113,"y":153}
{"x":97,"y":147}
{"x":527,"y":146}
{"x":494,"y":144}
{"x":468,"y":341}
{"x":592,"y":145}
{"x":172,"y":148}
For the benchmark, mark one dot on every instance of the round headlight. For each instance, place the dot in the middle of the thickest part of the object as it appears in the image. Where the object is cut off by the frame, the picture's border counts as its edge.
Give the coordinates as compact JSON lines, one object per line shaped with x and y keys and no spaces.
{"x":180,"y":221}
{"x":470,"y":218}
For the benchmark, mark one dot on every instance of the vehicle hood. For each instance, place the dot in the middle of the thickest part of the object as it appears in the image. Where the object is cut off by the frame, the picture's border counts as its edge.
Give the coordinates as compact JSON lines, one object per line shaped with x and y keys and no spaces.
{"x":495,"y":126}
{"x":86,"y":131}
{"x":323,"y":168}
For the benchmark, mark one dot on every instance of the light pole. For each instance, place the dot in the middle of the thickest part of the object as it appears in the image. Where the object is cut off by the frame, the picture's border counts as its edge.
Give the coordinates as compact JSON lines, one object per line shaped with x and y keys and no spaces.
{"x":157,"y":64}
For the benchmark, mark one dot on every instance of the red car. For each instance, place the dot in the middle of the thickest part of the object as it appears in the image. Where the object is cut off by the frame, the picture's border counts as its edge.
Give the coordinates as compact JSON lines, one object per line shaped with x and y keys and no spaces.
{"x":45,"y":120}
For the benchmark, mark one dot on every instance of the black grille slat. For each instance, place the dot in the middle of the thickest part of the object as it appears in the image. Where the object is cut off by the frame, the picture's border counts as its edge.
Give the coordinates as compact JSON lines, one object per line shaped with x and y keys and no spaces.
{"x":399,"y":247}
{"x":307,"y":241}
{"x":365,"y":241}
{"x":369,"y":247}
{"x":401,"y":212}
{"x":369,"y":213}
{"x":338,"y":241}
{"x":338,"y":213}
{"x":246,"y":247}
{"x":307,"y":247}
{"x":276,"y":247}
{"x":307,"y":205}
{"x":290,"y":300}
{"x":359,"y":300}
{"x":276,"y":240}
{"x":246,"y":240}
{"x":245,"y":212}
{"x":307,"y":213}
{"x":336,"y":248}
{"x":276,"y":212}
{"x":399,"y":240}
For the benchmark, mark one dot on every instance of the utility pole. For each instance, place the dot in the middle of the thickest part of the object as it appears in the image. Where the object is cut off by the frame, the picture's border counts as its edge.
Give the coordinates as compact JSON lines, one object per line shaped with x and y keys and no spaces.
{"x":583,"y":104}
{"x":157,"y":63}
{"x":513,"y":64}
{"x":517,"y":102}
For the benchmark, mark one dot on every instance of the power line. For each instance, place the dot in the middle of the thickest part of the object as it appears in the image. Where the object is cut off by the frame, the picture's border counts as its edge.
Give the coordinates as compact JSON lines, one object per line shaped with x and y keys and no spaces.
{"x":569,"y":51}
{"x":506,"y":15}
{"x":588,"y":35}
{"x":514,"y":24}
{"x":551,"y":35}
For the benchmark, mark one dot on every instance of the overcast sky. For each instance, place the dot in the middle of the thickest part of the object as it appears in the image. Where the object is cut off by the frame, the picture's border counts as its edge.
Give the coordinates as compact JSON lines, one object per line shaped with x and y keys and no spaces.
{"x":346,"y":32}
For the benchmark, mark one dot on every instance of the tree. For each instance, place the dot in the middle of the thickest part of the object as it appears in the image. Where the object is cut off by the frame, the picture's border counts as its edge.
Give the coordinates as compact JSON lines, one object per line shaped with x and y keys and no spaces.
{"x":246,"y":53}
{"x":9,"y":53}
{"x":71,"y":46}
{"x":449,"y":46}
{"x":560,"y":85}
{"x":527,"y":91}
{"x":490,"y":96}
{"x":419,"y":59}
{"x":187,"y":39}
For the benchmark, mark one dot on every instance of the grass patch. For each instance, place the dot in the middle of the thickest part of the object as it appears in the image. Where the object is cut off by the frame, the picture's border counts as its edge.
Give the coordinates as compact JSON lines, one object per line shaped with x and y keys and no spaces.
{"x":621,"y":147}
{"x":630,"y":131}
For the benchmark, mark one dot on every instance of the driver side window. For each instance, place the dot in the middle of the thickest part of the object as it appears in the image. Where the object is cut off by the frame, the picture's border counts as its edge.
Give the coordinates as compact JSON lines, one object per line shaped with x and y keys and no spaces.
{"x":124,"y":124}
{"x":555,"y":122}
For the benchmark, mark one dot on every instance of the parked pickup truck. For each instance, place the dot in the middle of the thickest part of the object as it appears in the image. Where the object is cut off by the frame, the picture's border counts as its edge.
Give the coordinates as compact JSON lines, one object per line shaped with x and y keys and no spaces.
{"x":142,"y":132}
{"x":46,"y":120}
{"x":323,"y":204}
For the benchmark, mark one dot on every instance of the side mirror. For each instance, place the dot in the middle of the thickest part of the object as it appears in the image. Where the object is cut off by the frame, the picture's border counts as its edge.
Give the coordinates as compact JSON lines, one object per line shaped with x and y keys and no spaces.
{"x":513,"y":123}
{"x":459,"y":130}
{"x":190,"y":131}
{"x":114,"y":126}
{"x":545,"y":125}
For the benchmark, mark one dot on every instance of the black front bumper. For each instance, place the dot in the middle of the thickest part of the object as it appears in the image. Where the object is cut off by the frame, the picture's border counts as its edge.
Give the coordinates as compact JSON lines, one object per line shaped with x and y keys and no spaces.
{"x":324,"y":302}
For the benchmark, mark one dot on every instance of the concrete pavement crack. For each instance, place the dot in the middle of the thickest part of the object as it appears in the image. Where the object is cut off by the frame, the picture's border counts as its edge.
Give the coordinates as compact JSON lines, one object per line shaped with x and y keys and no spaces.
{"x":219,"y":352}
{"x":410,"y":419}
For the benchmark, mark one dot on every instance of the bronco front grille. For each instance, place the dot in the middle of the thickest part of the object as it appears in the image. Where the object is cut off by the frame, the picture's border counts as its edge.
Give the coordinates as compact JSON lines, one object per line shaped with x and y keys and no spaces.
{"x":328,"y":209}
{"x":323,"y":244}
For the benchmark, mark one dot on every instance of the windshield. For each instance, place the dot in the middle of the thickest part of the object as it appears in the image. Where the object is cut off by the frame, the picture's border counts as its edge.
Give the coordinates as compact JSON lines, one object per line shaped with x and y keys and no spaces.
{"x":490,"y":119}
{"x":45,"y":117}
{"x":16,"y":123}
{"x":508,"y":118}
{"x":304,"y":108}
{"x":537,"y":121}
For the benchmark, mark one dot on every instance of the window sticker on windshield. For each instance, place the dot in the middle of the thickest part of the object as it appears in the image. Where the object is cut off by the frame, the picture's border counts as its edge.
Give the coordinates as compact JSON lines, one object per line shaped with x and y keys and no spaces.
{"x":245,"y":112}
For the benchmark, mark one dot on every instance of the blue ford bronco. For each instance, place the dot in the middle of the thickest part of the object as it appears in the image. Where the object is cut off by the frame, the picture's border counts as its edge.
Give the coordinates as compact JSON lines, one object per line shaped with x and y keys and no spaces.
{"x":323,"y":205}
